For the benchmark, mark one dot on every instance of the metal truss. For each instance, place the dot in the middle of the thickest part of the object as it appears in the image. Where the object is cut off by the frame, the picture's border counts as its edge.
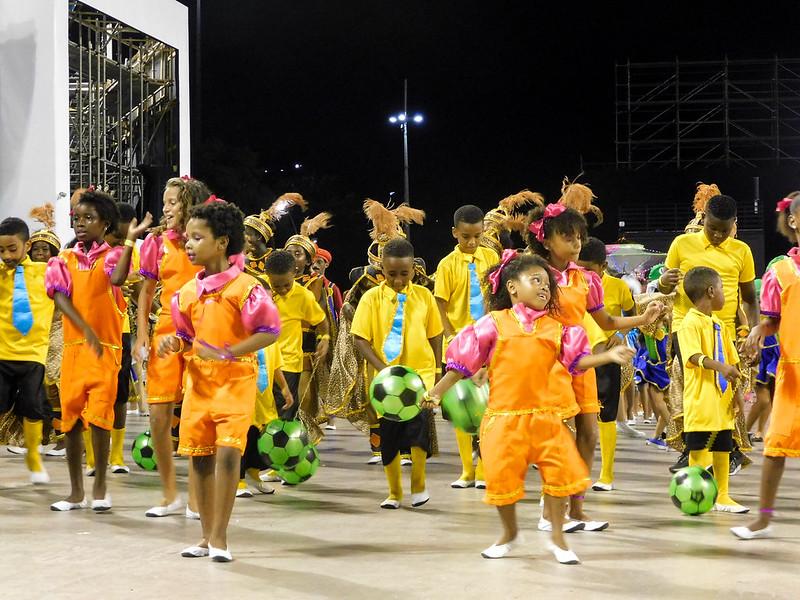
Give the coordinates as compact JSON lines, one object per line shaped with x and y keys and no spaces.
{"x":682,"y":114}
{"x":122,"y":103}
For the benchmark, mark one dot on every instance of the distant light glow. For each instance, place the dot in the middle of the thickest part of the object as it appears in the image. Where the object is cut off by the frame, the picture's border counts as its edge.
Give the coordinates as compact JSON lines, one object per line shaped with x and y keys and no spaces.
{"x":401,"y":117}
{"x":392,"y":119}
{"x":297,"y":165}
{"x":418,"y":118}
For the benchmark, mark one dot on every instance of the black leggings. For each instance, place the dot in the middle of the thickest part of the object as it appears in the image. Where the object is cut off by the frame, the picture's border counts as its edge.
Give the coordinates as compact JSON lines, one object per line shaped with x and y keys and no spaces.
{"x":609,"y":385}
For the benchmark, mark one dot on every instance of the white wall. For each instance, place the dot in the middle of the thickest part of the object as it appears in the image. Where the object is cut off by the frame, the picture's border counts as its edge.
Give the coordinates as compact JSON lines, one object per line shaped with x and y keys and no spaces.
{"x":34,"y":95}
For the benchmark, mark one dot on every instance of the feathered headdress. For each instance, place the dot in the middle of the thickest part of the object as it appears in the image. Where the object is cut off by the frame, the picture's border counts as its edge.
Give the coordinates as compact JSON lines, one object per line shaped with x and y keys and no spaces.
{"x":504,"y":218}
{"x":267,"y":220}
{"x":705,"y":191}
{"x":579,"y":197}
{"x":45,"y":215}
{"x":308,"y":228}
{"x":387,"y":225}
{"x":407,"y":215}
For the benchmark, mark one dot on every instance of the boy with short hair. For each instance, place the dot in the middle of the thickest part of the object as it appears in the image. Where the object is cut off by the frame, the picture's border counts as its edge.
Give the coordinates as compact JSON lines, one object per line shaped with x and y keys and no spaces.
{"x":25,"y":316}
{"x":460,"y":301}
{"x":398,"y":323}
{"x":710,"y":374}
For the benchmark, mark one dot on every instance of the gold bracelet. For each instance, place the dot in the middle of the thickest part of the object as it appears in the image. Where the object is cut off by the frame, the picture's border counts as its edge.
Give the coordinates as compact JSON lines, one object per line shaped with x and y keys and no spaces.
{"x":130,"y":243}
{"x":323,"y":337}
{"x":181,"y":344}
{"x":700,"y":361}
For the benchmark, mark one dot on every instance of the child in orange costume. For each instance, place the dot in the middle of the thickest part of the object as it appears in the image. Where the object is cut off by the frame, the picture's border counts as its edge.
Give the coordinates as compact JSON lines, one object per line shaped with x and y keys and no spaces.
{"x":780,"y":304}
{"x":556,"y":232}
{"x":163,"y":260}
{"x":522,"y":424}
{"x":225,"y":316}
{"x":80,"y":282}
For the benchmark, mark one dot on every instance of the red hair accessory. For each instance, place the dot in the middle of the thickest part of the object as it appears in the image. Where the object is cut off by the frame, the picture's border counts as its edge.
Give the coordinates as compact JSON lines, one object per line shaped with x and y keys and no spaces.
{"x":212,"y":198}
{"x":324,"y":255}
{"x":91,"y":188}
{"x":550,"y":211}
{"x":186,"y":177}
{"x":495,"y":276}
{"x":783,"y":205}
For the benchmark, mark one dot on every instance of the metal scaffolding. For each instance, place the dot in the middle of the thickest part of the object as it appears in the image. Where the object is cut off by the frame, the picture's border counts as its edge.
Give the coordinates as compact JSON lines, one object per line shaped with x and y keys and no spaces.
{"x":123,"y":103}
{"x":682,"y":114}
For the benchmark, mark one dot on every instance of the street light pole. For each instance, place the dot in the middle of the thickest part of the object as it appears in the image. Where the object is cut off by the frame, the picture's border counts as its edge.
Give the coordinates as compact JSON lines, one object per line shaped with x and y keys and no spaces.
{"x":406,"y":192}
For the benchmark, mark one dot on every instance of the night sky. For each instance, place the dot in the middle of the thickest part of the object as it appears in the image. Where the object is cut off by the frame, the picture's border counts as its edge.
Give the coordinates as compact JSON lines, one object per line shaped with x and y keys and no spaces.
{"x":514,"y":94}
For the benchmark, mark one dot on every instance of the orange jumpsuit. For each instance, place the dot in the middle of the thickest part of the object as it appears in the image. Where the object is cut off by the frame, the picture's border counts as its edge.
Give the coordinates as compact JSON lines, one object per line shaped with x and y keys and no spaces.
{"x":220,"y":310}
{"x":164,"y":259}
{"x":780,"y":297}
{"x":88,"y":383}
{"x":522,"y":423}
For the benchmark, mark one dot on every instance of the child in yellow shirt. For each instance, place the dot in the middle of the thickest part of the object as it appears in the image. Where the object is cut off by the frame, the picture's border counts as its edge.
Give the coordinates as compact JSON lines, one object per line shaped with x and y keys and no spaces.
{"x":25,"y":316}
{"x":460,"y":300}
{"x":710,"y":373}
{"x":417,"y":345}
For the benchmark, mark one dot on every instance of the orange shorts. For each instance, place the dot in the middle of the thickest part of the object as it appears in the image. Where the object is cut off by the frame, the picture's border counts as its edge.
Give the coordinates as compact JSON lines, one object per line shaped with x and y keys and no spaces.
{"x":585,"y":388}
{"x":165,"y":375}
{"x":510,"y":443}
{"x":88,"y":386}
{"x":560,"y":382}
{"x":783,"y":434}
{"x":218,"y":407}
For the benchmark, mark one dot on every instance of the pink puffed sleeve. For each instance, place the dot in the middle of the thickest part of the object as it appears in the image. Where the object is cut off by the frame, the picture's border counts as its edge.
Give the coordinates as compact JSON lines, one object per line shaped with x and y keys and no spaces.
{"x":57,"y":278}
{"x":770,"y":295}
{"x":259,"y":313}
{"x":112,"y":258}
{"x":150,"y":256}
{"x":183,"y":324}
{"x":473,"y":346}
{"x":237,"y":260}
{"x":595,"y":300}
{"x":574,"y":346}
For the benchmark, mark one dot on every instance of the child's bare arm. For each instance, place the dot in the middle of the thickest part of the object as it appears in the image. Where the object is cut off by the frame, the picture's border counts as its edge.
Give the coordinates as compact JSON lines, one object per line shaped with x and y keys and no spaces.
{"x":366,"y":350}
{"x":65,"y":305}
{"x":288,"y":398}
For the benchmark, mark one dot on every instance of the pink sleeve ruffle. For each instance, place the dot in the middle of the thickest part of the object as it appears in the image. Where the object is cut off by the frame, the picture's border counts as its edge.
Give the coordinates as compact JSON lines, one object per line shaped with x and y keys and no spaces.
{"x":472,"y":348}
{"x":58,"y":278}
{"x":770,"y":295}
{"x":259,"y":313}
{"x":574,"y":346}
{"x":183,"y":324}
{"x":150,"y":256}
{"x":112,"y":258}
{"x":595,"y":300}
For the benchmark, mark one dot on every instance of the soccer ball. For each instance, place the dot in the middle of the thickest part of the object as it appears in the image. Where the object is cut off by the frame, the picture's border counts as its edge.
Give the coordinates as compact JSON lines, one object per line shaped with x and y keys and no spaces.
{"x":282,"y":443}
{"x":693,"y":490}
{"x":395,"y":393}
{"x":143,"y":453}
{"x":304,"y":469}
{"x":464,"y":405}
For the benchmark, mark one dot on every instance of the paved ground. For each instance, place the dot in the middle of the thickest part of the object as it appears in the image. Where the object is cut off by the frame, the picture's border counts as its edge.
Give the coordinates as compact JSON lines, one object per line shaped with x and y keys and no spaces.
{"x":328,"y":539}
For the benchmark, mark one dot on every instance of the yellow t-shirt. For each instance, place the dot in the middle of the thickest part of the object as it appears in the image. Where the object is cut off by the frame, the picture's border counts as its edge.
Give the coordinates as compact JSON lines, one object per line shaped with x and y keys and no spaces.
{"x":296,"y":307}
{"x":617,"y":296}
{"x":265,"y":403}
{"x":33,"y":346}
{"x":732,"y":259}
{"x":421,"y":322}
{"x":594,"y":333}
{"x":132,"y":278}
{"x":705,"y":407}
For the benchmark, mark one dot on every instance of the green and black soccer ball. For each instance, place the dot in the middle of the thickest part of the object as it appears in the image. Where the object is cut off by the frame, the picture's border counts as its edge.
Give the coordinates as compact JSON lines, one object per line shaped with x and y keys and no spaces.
{"x":693,"y":490}
{"x":464,"y":404}
{"x":395,"y":393}
{"x":283,"y":443}
{"x":304,"y":469}
{"x":143,"y":452}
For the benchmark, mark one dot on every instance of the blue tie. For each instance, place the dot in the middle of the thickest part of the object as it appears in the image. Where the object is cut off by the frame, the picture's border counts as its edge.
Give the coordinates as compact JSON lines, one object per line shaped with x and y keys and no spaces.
{"x":475,"y":296}
{"x":723,"y":383}
{"x":262,"y":381}
{"x":21,"y":314}
{"x":394,"y":341}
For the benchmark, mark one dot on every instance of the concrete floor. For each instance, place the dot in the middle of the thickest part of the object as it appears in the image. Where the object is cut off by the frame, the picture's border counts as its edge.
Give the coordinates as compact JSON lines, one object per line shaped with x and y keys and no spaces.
{"x":327,"y":538}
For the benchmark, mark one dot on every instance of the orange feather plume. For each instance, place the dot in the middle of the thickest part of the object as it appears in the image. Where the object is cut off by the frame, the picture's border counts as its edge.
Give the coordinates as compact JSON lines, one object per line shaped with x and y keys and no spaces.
{"x":705,"y":191}
{"x":579,"y":197}
{"x":520,"y":199}
{"x":407,"y":215}
{"x":311,"y":226}
{"x":385,"y":223}
{"x":295,"y":199}
{"x":45,"y":214}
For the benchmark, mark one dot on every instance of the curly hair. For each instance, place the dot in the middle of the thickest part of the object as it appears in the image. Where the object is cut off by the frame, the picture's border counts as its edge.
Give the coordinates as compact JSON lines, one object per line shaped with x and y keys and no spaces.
{"x":513,"y":270}
{"x":567,"y":223}
{"x":280,"y":262}
{"x":783,"y":217}
{"x":191,"y":192}
{"x":225,"y":220}
{"x":721,"y":207}
{"x":105,"y":206}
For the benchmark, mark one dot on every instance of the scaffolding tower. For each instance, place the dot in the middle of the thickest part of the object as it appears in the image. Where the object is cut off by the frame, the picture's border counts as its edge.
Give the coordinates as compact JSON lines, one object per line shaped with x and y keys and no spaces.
{"x":122,"y":104}
{"x":729,"y":112}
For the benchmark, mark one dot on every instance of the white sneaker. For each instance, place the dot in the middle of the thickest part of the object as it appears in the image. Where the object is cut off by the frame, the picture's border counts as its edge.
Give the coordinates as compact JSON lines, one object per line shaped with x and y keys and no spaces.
{"x":565,"y":557}
{"x":54,"y":452}
{"x":568,"y":526}
{"x":269,"y":477}
{"x":745,"y":533}
{"x":64,"y":505}
{"x":390,"y":503}
{"x":194,"y":552}
{"x":330,"y":427}
{"x":39,"y":477}
{"x":462,"y":484}
{"x":244,"y":493}
{"x":731,"y":508}
{"x":404,"y":462}
{"x":419,"y":499}
{"x":374,"y":460}
{"x":174,"y":508}
{"x":18,"y":450}
{"x":89,"y":471}
{"x":103,"y":504}
{"x":219,"y":555}
{"x":502,"y":550}
{"x":628,"y":431}
{"x":599,"y":486}
{"x":120,"y":469}
{"x":480,"y":484}
{"x":190,"y":514}
{"x":594,"y":525}
{"x":263,"y":488}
